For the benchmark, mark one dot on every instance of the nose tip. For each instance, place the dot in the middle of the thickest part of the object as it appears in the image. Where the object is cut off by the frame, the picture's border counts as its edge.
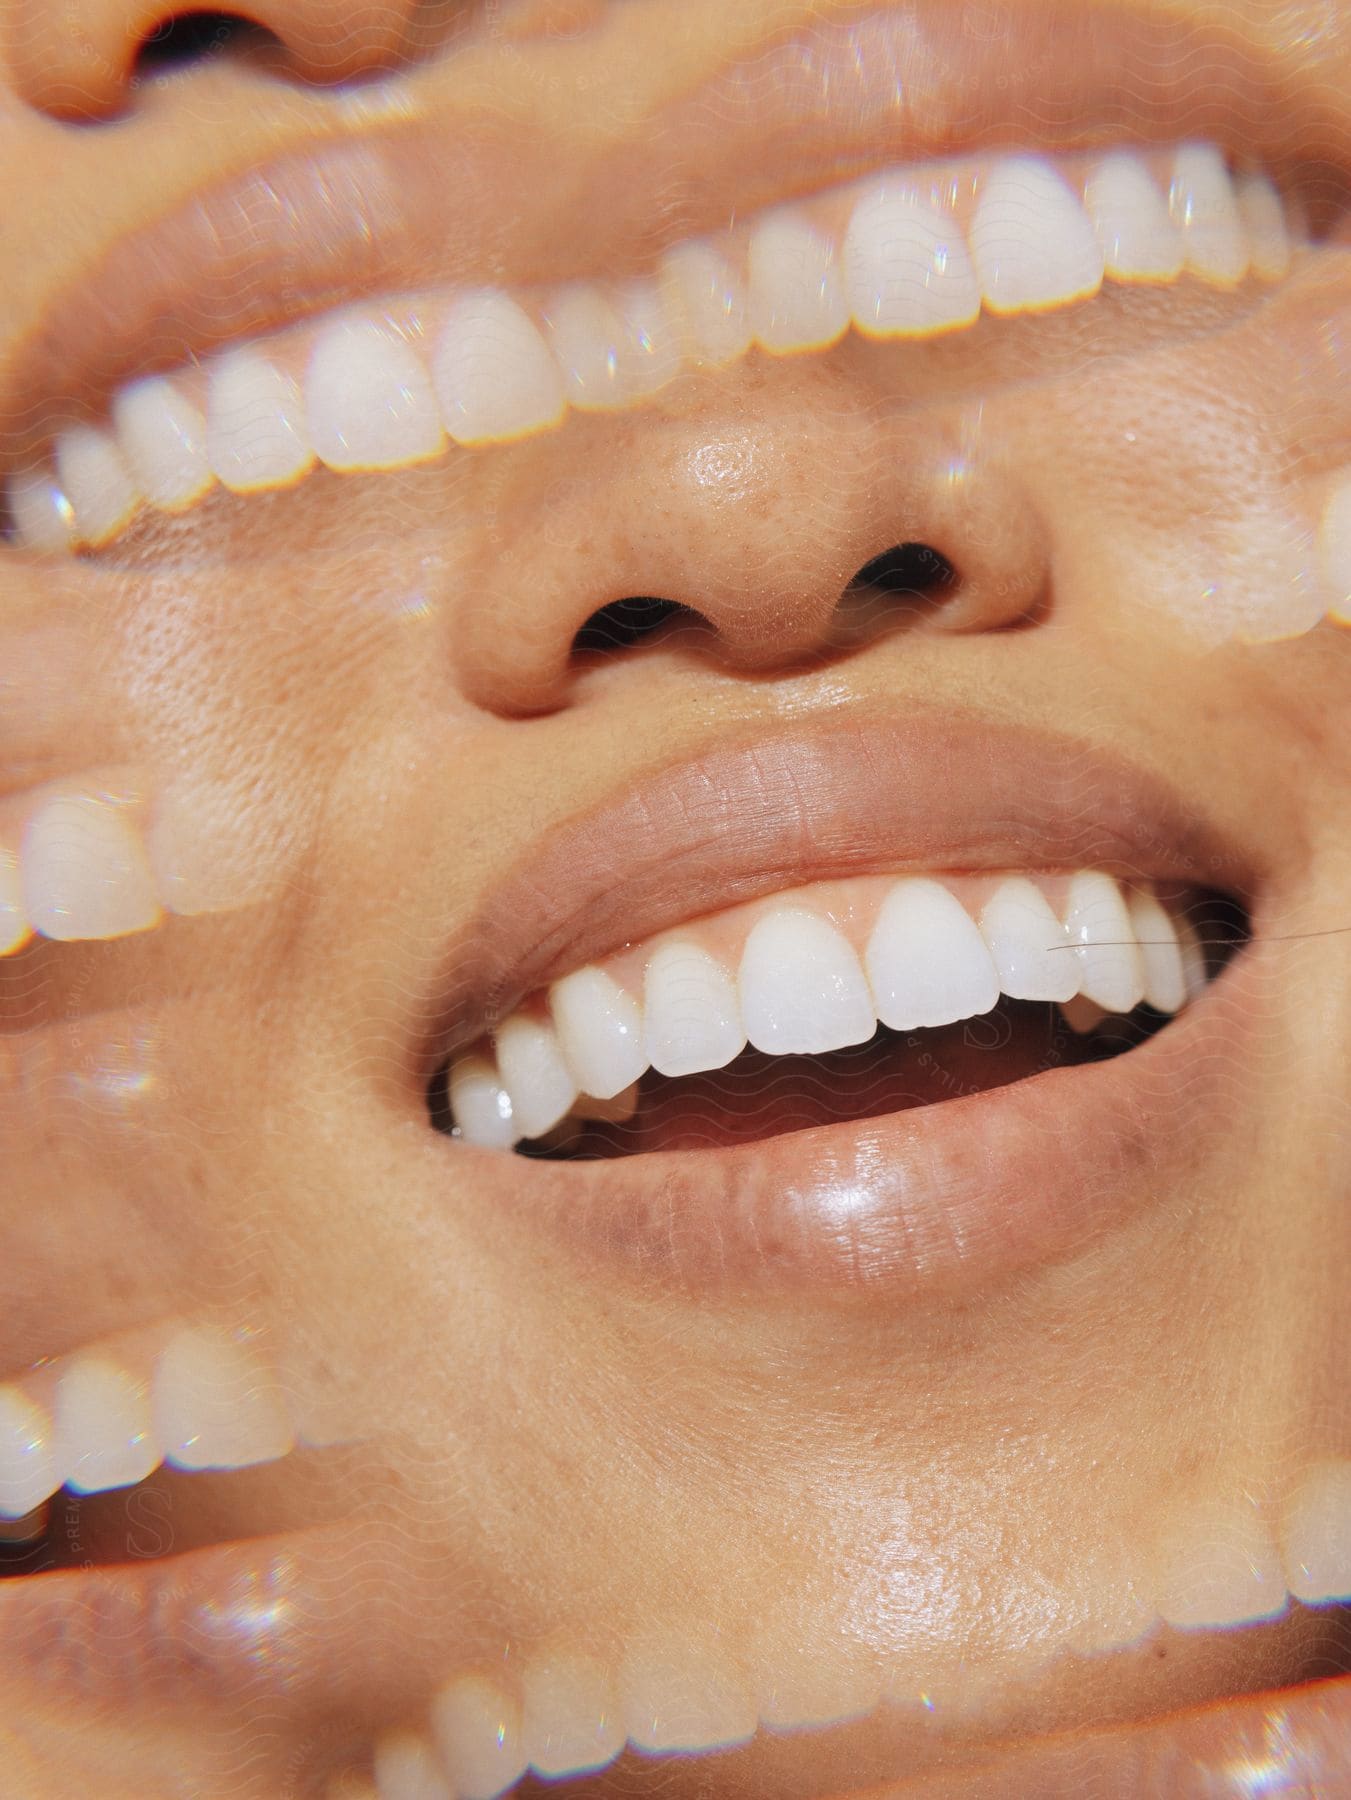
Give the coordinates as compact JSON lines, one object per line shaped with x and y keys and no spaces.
{"x":795,"y":526}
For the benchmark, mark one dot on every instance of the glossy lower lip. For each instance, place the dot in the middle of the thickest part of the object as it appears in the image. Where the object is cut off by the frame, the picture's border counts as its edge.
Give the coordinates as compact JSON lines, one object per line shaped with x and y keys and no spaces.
{"x":473,"y":188}
{"x":1292,"y":1741}
{"x":937,"y":1202}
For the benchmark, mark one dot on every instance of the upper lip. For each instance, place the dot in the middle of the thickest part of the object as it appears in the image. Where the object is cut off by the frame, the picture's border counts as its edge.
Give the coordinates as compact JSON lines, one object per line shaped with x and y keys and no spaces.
{"x":471,"y":192}
{"x":865,"y":791}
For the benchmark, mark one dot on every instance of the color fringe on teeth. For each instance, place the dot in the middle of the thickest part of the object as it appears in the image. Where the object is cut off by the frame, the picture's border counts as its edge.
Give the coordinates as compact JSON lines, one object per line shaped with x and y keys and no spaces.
{"x":568,"y":1714}
{"x":815,"y":970}
{"x":909,"y":253}
{"x":107,"y":1417}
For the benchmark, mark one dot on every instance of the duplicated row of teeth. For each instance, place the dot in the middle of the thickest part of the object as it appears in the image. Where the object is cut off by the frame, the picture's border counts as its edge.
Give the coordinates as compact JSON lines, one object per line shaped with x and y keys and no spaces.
{"x":685,"y":1691}
{"x":106,"y":1418}
{"x":910,"y":253}
{"x":815,"y":970}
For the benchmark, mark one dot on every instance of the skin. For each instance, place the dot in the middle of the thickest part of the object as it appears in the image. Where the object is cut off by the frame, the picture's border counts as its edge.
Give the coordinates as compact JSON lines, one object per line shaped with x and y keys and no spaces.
{"x":374,"y":674}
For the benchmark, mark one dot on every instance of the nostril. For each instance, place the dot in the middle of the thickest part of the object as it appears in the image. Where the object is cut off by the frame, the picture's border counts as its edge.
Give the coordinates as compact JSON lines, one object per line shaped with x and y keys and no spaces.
{"x":624,"y":623}
{"x":189,"y":37}
{"x":909,"y":570}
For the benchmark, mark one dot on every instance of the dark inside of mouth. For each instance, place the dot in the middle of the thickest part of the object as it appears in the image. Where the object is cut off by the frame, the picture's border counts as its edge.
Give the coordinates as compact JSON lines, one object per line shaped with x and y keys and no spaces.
{"x":759,"y":1096}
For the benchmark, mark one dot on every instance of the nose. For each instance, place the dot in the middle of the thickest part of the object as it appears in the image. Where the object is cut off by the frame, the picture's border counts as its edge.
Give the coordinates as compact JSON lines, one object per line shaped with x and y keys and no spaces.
{"x":783,"y":517}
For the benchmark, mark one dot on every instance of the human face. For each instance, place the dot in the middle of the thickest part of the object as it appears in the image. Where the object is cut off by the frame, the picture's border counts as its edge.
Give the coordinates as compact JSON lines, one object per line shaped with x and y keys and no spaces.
{"x":851,"y":1406}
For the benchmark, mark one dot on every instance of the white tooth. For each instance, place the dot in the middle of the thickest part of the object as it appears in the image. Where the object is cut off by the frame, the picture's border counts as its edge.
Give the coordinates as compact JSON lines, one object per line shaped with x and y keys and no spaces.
{"x":102,"y":1426}
{"x":1263,"y":216}
{"x":907,"y":270}
{"x":679,"y":1692}
{"x":802,"y":987}
{"x":530,"y":1066}
{"x":29,"y":1471}
{"x":585,"y":339}
{"x":1220,"y":1567}
{"x":1031,"y":241}
{"x":478,"y":1731}
{"x":796,"y":297}
{"x":15,"y":928}
{"x":1316,"y":1535}
{"x":213,"y":1407}
{"x":1082,"y":1016}
{"x":493,"y":373}
{"x":1334,"y":550}
{"x":616,"y":1111}
{"x":1031,"y":952}
{"x":255,"y":424}
{"x":85,"y":873}
{"x":1165,"y":985}
{"x":481,"y":1105}
{"x":690,"y":1011}
{"x":570,"y":1716}
{"x":1111,"y":969}
{"x":1203,"y":204}
{"x":927,"y":962}
{"x":601,"y":1030}
{"x":652,"y":336}
{"x":91,"y":473}
{"x":1130,"y":217}
{"x":406,"y":1768}
{"x":163,"y":437}
{"x":711,"y":298}
{"x":1194,"y":976}
{"x":41,"y":515}
{"x":369,"y":400}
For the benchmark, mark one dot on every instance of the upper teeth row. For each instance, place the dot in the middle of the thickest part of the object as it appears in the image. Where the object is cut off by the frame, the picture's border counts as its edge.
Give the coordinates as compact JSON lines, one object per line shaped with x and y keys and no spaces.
{"x":908,"y":253}
{"x":814,"y":971}
{"x":197,"y":1398}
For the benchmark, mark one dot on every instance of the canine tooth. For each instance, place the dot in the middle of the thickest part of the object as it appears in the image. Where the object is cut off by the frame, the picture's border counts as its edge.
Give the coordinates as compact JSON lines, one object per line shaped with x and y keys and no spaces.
{"x":255,"y":424}
{"x":1194,"y":976}
{"x":213,"y":1407}
{"x":1111,"y":969}
{"x":1263,"y":216}
{"x":493,"y":374}
{"x":1334,"y":549}
{"x":478,"y":1731}
{"x":481,"y":1105}
{"x":570,"y":1716}
{"x":711,"y":299}
{"x":652,"y":349}
{"x":1316,"y":1535}
{"x":1031,"y":241}
{"x":802,"y":987}
{"x":406,"y":1768}
{"x":85,"y":873}
{"x":1082,"y":1016}
{"x":29,"y":1472}
{"x":682,"y":1693}
{"x":1220,"y":1567}
{"x":927,"y":962}
{"x":530,"y":1066}
{"x":102,"y":1426}
{"x":1139,"y":240}
{"x":584,"y":337}
{"x":616,"y":1111}
{"x":797,"y":299}
{"x":907,"y":270}
{"x":1203,"y":204}
{"x":1031,"y":952}
{"x":15,"y":929}
{"x":368,"y":399}
{"x":601,"y":1030}
{"x":163,"y":437}
{"x":690,"y":1011}
{"x":1165,"y":985}
{"x":41,"y":515}
{"x":91,"y":473}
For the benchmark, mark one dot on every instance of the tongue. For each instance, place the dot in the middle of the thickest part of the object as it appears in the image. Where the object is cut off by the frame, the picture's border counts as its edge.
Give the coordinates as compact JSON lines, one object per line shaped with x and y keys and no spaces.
{"x":760,"y":1096}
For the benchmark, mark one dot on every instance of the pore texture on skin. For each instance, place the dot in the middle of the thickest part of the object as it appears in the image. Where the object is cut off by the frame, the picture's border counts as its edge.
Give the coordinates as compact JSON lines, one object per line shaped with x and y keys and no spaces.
{"x":675,"y":966}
